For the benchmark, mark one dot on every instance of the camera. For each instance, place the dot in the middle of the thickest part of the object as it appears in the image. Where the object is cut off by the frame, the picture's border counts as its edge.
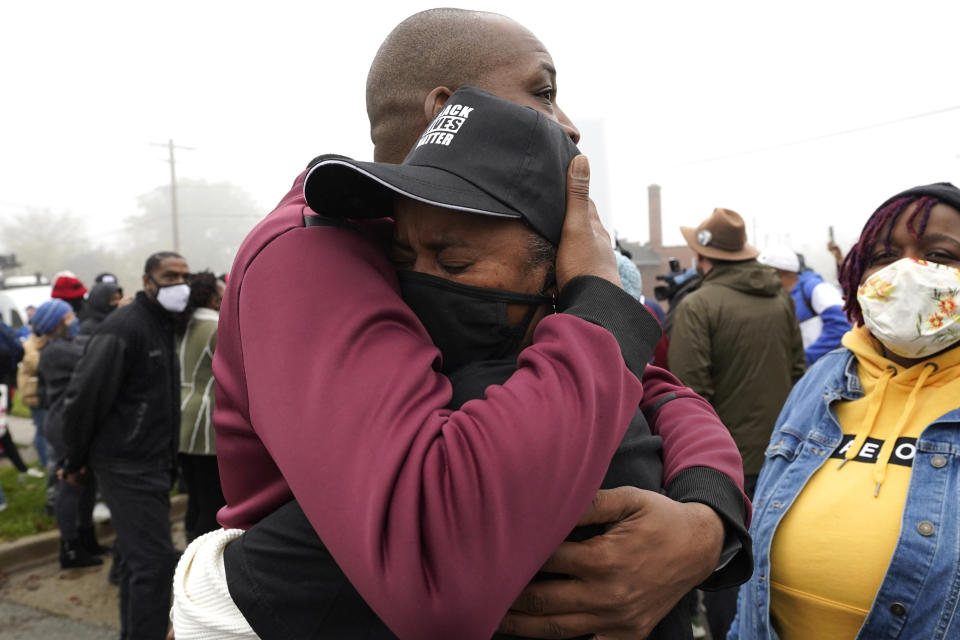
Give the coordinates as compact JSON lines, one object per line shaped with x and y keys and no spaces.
{"x":676,"y":280}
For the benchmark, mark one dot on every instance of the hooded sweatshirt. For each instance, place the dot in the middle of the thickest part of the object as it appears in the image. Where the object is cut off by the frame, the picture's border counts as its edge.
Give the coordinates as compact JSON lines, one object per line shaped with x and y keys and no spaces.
{"x":832,"y":548}
{"x":736,"y":342}
{"x":97,"y":307}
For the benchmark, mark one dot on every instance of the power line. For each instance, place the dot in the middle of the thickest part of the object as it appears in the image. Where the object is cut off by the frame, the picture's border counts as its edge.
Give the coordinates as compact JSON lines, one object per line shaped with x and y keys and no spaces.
{"x":824,"y":136}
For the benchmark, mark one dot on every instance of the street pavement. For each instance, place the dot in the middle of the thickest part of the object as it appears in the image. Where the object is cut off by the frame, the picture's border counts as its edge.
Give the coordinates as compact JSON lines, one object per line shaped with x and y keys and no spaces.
{"x":38,"y":599}
{"x":47,"y":602}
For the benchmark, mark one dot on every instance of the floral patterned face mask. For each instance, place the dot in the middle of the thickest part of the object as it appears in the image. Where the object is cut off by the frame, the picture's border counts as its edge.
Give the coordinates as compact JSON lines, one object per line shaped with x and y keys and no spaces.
{"x":911,"y":306}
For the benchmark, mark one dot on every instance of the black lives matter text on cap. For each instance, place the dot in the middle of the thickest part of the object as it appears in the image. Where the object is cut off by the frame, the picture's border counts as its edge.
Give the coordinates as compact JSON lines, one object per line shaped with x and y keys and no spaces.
{"x":480,"y":154}
{"x":446,"y":125}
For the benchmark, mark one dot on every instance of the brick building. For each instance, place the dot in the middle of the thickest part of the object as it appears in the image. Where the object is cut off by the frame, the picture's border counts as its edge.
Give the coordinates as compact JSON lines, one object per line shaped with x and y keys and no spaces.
{"x":652,"y":258}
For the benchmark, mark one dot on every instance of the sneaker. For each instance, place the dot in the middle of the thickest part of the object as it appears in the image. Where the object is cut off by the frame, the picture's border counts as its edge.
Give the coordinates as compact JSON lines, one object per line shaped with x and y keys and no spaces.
{"x":101,"y":513}
{"x":33,"y":472}
{"x":3,"y":506}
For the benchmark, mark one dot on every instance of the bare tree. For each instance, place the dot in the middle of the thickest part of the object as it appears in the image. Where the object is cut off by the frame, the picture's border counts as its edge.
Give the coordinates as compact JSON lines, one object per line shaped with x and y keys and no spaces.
{"x":45,"y":241}
{"x":213,"y":217}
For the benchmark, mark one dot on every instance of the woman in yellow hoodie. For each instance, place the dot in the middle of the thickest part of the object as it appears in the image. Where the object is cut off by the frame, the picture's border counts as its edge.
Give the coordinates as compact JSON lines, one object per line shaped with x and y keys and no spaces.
{"x":856,"y":515}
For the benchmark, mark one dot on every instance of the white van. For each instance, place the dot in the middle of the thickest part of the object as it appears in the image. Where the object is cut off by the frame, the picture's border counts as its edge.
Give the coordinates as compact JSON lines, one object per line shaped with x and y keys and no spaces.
{"x":15,"y":299}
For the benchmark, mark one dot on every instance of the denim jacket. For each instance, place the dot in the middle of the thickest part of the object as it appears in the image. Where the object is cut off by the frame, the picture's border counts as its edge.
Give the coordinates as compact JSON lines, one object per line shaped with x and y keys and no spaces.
{"x":918,"y":598}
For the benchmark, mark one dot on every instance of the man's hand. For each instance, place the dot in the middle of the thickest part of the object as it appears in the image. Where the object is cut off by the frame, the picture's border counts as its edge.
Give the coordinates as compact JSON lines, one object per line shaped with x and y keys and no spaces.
{"x":627,"y":579}
{"x":835,"y":251}
{"x":77,"y":478}
{"x":585,"y":248}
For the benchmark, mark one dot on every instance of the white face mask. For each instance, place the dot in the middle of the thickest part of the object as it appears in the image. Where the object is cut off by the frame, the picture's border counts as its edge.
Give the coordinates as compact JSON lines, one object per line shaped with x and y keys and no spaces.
{"x":174,"y":297}
{"x":912,"y":307}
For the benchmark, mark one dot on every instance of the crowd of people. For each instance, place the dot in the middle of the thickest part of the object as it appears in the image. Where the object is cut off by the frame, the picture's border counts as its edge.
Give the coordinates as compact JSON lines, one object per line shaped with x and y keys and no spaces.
{"x":430,"y":401}
{"x":101,"y":374}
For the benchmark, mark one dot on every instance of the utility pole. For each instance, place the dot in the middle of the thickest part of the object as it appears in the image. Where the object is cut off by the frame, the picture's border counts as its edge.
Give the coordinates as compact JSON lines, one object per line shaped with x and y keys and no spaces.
{"x":173,"y":190}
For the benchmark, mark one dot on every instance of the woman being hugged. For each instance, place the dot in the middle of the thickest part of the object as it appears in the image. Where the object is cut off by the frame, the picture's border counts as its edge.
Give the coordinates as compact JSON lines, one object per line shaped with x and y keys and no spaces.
{"x":856,"y":523}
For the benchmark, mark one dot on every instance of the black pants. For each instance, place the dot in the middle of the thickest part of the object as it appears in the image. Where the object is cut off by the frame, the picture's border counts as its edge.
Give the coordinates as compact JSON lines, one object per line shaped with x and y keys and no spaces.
{"x":722,"y":605}
{"x":204,"y":494}
{"x":74,"y":507}
{"x":10,"y":450}
{"x":139,"y":501}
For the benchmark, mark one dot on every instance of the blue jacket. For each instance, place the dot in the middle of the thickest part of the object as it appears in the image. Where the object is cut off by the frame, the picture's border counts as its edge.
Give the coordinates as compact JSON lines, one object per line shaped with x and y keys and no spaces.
{"x":822,"y":327}
{"x":918,"y":598}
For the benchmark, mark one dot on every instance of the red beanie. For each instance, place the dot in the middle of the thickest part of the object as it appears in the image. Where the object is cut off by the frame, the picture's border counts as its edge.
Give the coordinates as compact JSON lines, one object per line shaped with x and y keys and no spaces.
{"x":68,"y":288}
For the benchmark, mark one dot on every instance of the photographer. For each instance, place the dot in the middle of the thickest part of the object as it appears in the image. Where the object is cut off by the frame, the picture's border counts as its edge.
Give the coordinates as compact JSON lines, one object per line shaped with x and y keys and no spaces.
{"x":679,"y":284}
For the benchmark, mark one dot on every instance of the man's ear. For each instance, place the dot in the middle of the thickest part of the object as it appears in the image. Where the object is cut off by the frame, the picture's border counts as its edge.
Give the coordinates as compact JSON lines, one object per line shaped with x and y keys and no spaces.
{"x":434,"y":102}
{"x":704,"y":264}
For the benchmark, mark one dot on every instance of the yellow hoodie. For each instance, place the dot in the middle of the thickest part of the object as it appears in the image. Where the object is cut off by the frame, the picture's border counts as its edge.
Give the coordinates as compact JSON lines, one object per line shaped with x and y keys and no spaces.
{"x":832,"y":548}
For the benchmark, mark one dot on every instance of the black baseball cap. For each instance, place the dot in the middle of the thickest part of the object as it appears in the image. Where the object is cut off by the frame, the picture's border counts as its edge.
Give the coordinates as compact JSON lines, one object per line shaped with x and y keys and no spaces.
{"x":481,"y":154}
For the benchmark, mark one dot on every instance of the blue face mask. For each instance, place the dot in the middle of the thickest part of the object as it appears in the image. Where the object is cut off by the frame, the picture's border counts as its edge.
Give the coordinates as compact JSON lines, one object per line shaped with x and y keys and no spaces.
{"x":73,"y":329}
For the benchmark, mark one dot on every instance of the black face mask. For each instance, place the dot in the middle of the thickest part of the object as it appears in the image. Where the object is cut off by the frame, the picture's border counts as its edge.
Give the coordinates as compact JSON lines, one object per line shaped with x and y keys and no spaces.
{"x":468,"y":324}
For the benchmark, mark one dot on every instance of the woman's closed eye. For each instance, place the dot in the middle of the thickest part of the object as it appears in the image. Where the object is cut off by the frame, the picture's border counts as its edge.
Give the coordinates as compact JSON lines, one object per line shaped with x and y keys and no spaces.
{"x":455,"y":268}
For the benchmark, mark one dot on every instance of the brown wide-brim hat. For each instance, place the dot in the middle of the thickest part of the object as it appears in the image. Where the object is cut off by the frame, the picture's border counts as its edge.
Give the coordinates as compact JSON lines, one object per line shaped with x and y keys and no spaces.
{"x":722,"y":236}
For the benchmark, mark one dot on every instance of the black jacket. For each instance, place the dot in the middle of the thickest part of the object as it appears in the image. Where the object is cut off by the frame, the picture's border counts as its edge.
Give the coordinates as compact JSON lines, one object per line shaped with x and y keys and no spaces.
{"x":55,"y":368}
{"x":57,"y":361}
{"x":11,"y":352}
{"x":123,"y":403}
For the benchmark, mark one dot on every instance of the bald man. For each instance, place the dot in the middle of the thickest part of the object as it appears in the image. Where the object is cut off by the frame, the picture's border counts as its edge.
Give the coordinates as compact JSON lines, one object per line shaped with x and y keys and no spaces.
{"x":345,"y":412}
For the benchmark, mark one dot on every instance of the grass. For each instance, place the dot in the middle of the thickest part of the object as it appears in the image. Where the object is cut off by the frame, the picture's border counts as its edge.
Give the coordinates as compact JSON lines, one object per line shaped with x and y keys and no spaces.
{"x":18,"y":408}
{"x":25,"y":514}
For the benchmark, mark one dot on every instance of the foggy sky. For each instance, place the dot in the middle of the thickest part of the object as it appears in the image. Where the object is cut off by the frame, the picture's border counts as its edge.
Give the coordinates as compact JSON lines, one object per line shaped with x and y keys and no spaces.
{"x":258,"y":89}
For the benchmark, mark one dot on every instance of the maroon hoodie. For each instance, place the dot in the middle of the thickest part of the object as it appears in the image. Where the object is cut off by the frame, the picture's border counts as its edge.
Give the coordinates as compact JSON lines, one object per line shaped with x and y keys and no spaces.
{"x":326,"y":391}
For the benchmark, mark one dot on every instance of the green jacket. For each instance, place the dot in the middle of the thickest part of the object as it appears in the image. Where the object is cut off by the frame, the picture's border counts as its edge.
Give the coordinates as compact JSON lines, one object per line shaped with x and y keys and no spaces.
{"x":737,"y":343}
{"x":196,"y":384}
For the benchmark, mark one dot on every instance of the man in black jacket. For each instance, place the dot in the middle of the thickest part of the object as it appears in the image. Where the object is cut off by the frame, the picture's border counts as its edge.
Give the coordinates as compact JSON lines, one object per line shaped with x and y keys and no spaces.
{"x":121,"y":421}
